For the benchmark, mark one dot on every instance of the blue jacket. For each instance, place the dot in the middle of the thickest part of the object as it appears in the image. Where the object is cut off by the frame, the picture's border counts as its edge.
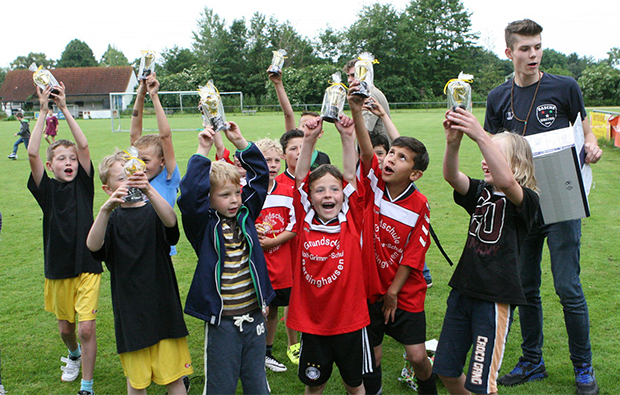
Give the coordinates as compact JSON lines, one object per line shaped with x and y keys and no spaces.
{"x":203,"y":229}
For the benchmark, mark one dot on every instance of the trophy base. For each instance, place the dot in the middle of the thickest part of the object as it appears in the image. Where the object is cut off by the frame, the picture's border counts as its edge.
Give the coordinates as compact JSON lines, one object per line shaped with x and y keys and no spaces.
{"x":458,"y":105}
{"x":218,"y":123}
{"x":332,"y":115}
{"x":363,"y":90}
{"x":134,"y":195}
{"x":275,"y":70}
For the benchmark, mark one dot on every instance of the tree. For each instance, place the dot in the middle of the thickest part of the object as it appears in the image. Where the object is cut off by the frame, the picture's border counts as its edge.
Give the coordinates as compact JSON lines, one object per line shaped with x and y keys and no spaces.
{"x":176,"y":60}
{"x":77,"y":54}
{"x":600,"y":85}
{"x":208,"y":37}
{"x":113,"y":57}
{"x":23,"y":62}
{"x":330,"y":45}
{"x":614,"y":56}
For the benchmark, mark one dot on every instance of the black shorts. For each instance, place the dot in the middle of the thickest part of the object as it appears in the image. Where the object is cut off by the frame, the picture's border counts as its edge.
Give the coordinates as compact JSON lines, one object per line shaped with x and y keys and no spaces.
{"x":408,"y":328}
{"x":350,"y":351}
{"x":282,"y":297}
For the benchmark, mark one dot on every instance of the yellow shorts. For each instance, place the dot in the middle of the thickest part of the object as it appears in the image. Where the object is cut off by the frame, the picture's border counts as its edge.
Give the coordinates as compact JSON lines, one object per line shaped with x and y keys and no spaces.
{"x":162,"y":363}
{"x":68,"y":296}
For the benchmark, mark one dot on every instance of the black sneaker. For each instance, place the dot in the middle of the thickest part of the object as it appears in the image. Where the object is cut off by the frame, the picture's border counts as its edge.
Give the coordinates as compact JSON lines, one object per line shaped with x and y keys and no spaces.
{"x":585,"y":380}
{"x":84,"y":392}
{"x":522,"y":373}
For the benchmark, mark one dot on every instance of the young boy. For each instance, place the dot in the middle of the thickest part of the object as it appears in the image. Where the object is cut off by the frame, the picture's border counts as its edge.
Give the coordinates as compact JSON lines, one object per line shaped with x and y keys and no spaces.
{"x":24,"y":135}
{"x":291,"y":142}
{"x":72,"y":275}
{"x":318,"y":157}
{"x":485,"y":284}
{"x":156,"y":151}
{"x":396,"y":233}
{"x":134,"y":239}
{"x":231,"y":287}
{"x":328,"y":300}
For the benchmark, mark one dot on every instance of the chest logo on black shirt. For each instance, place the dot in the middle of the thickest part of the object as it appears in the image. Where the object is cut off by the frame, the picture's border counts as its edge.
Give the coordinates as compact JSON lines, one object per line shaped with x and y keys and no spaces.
{"x":487,"y":222}
{"x":546,"y":114}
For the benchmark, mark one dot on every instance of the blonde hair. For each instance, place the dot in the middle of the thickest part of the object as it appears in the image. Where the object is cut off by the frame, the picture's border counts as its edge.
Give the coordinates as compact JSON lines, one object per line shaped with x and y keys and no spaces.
{"x":49,"y":153}
{"x":222,"y":172}
{"x":148,"y":141}
{"x":107,"y":163}
{"x":266,"y":144}
{"x":519,"y":157}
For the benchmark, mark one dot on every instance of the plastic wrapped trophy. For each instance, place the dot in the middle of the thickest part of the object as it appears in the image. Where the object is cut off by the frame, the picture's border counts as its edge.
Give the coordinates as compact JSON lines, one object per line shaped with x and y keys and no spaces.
{"x":211,"y":106}
{"x":277,"y":62}
{"x":147,"y":64}
{"x":133,"y":165}
{"x":43,"y":77}
{"x":458,"y":91}
{"x":364,"y":74}
{"x":333,"y":101}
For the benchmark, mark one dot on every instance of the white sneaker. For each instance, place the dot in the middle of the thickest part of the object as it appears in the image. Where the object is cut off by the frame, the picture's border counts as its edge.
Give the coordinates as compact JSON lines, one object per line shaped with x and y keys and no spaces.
{"x":2,"y":392}
{"x":274,"y":364}
{"x":72,"y":370}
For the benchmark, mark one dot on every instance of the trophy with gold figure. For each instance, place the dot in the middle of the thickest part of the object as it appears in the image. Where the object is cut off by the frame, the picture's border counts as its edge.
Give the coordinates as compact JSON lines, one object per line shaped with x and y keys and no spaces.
{"x":277,"y":62}
{"x":147,"y":64}
{"x":364,"y":73}
{"x":43,"y":77}
{"x":333,"y":100}
{"x":211,"y":106}
{"x":458,"y":91}
{"x":133,"y":165}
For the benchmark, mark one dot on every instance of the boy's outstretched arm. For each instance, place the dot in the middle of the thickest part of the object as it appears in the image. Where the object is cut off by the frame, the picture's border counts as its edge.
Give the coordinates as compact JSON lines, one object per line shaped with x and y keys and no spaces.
{"x":37,"y":166}
{"x":377,"y":109}
{"x":165,"y":133}
{"x":96,"y":236}
{"x":78,"y":135}
{"x":346,"y":128}
{"x":285,"y":104}
{"x":135,"y":130}
{"x":205,"y":141}
{"x":363,"y":138}
{"x":233,"y":134}
{"x":314,"y":127}
{"x":451,"y":173}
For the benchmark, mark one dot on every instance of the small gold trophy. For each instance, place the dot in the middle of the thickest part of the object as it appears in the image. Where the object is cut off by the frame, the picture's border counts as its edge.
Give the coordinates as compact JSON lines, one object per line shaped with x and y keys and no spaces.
{"x":277,"y":62}
{"x":133,"y":165}
{"x":211,"y":106}
{"x":458,"y":91}
{"x":333,"y":100}
{"x":364,"y":73}
{"x":43,"y":77}
{"x":147,"y":64}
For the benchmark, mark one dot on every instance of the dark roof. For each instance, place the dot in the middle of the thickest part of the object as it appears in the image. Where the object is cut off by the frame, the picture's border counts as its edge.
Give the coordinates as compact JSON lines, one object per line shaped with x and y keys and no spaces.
{"x":18,"y":85}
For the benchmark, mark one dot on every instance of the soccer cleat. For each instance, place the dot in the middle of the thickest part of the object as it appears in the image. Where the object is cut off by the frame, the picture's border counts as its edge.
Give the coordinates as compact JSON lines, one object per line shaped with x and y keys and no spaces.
{"x":71,"y":371}
{"x":274,"y":364}
{"x":2,"y":392}
{"x":429,"y":282}
{"x":12,"y":155}
{"x":84,"y":392}
{"x":522,"y":373}
{"x":293,"y":353}
{"x":585,"y":380}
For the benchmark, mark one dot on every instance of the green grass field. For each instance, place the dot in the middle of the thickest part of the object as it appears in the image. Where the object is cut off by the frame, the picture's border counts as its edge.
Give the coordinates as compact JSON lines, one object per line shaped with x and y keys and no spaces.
{"x":31,"y":347}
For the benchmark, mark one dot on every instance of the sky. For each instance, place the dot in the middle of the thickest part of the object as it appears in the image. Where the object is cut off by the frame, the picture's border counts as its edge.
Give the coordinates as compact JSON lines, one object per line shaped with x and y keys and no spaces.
{"x":587,"y":28}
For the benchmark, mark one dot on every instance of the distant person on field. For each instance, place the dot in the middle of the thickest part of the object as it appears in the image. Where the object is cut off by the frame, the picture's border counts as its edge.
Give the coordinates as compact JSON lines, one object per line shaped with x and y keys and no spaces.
{"x":24,"y":135}
{"x":485,"y":285}
{"x":51,"y":125}
{"x":72,"y":275}
{"x":231,"y":287}
{"x":156,"y":151}
{"x":134,"y":239}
